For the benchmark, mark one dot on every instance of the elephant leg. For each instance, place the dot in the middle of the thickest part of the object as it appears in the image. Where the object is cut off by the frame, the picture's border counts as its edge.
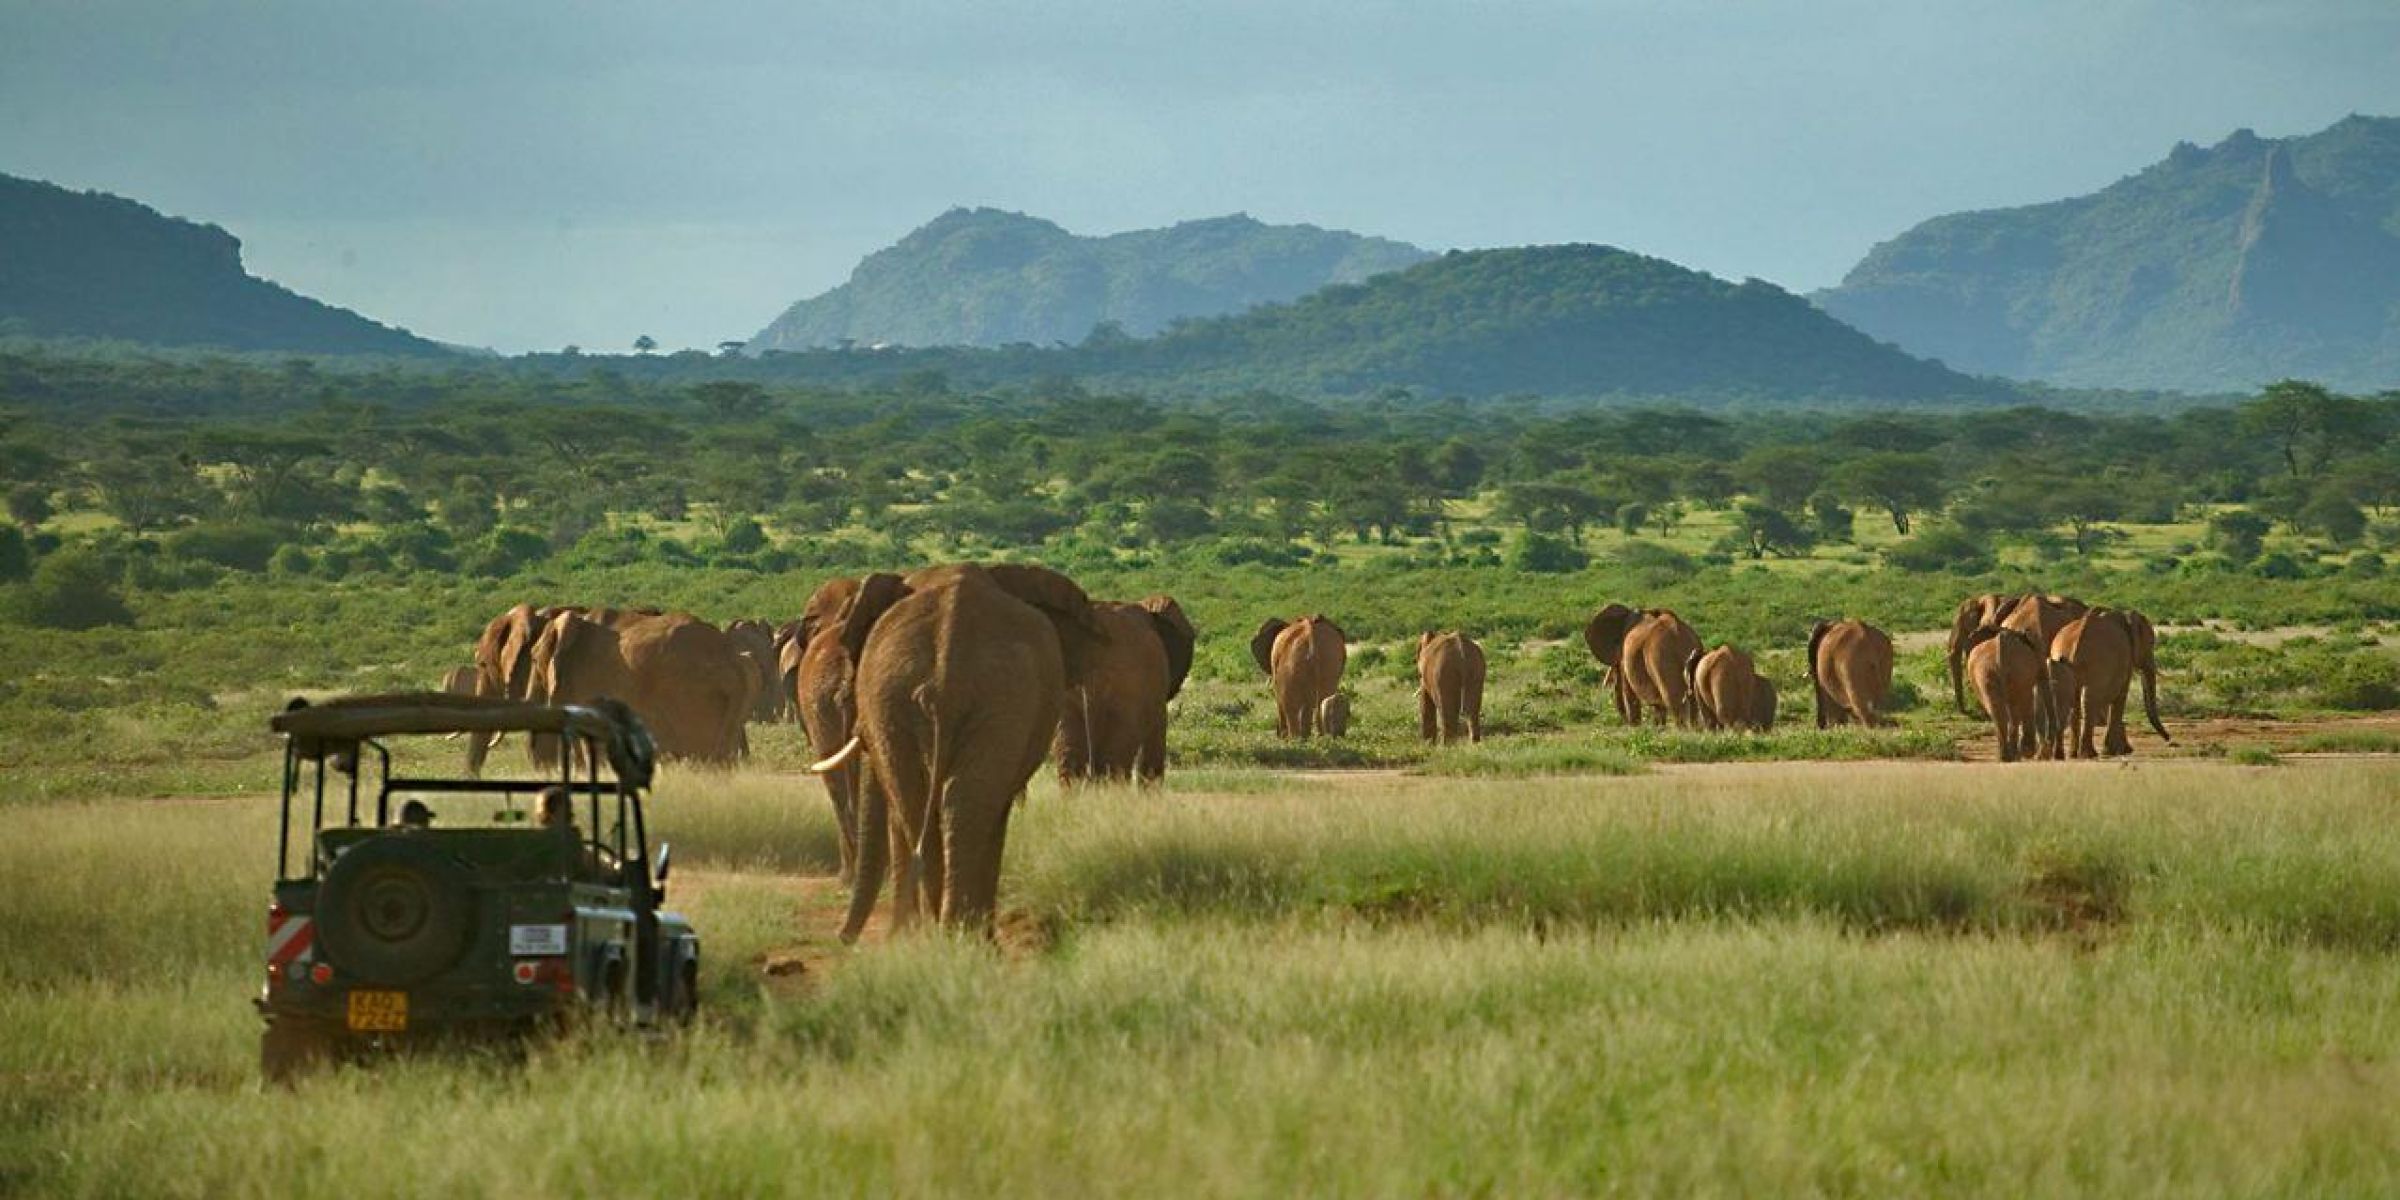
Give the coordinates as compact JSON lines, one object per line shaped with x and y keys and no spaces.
{"x":2083,"y":725}
{"x":2117,"y":742}
{"x":1428,"y":722}
{"x":841,"y":786}
{"x":1153,"y":766}
{"x":2008,"y":734}
{"x":1304,"y":720}
{"x":1453,"y":706}
{"x":479,"y":747}
{"x":1475,"y":713}
{"x":974,"y":817}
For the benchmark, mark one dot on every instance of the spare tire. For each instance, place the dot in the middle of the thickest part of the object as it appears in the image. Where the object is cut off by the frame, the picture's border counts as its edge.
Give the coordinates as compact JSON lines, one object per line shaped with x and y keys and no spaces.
{"x":394,"y":910}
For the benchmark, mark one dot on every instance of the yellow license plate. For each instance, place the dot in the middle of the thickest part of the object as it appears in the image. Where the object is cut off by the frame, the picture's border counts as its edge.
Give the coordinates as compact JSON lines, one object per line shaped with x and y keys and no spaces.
{"x":378,"y":1012}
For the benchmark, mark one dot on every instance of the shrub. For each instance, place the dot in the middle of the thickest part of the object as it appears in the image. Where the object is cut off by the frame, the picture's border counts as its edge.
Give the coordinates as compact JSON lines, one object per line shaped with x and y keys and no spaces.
{"x":16,"y":555}
{"x":2279,"y":566}
{"x":234,"y":545}
{"x":1944,"y":548}
{"x":1543,"y":554}
{"x":1656,"y":565}
{"x":73,"y":589}
{"x":503,"y":552}
{"x":2364,"y":682}
{"x":2239,"y":535}
{"x":2364,"y":565}
{"x":744,"y":536}
{"x":289,"y":560}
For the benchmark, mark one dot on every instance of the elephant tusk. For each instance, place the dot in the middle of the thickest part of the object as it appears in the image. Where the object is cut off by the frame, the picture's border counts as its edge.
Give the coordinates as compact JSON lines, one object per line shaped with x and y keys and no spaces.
{"x":835,"y":761}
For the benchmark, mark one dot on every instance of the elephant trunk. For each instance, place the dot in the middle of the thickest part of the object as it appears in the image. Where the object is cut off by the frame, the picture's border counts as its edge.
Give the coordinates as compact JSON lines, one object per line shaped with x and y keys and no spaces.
{"x":874,"y":833}
{"x":2150,"y":700}
{"x":1958,"y":677}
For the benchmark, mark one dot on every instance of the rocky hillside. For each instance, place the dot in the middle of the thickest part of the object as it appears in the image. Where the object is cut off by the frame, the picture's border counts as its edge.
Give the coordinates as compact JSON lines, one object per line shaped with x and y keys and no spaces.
{"x":982,"y":277}
{"x":2214,"y":269}
{"x":90,"y":265}
{"x":1562,"y":322}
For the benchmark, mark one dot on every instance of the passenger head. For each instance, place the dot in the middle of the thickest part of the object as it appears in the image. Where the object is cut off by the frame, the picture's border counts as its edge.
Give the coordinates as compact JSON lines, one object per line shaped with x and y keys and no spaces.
{"x":556,"y":808}
{"x":414,"y":815}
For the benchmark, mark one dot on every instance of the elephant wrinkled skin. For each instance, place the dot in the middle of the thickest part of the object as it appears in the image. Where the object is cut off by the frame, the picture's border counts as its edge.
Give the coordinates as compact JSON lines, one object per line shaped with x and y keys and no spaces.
{"x":2104,"y":649}
{"x":1850,"y":670}
{"x":2009,"y":677}
{"x":1450,"y":673}
{"x":959,"y":685}
{"x":1728,"y":692}
{"x":1114,"y":726}
{"x":1305,"y":659}
{"x":1645,"y":653}
{"x":685,"y":679}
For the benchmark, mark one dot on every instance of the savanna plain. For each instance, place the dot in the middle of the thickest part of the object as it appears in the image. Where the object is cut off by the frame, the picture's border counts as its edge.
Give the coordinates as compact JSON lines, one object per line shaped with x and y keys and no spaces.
{"x":1574,"y":959}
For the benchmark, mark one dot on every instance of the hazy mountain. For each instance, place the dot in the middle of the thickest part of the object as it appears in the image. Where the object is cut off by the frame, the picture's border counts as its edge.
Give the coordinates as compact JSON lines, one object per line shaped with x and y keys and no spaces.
{"x":982,"y":277}
{"x":91,"y":265}
{"x":1558,"y":321}
{"x":2213,"y":270}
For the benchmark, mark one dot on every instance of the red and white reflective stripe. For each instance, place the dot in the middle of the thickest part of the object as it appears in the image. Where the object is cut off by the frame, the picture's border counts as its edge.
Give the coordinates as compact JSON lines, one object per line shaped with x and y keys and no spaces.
{"x":288,"y":937}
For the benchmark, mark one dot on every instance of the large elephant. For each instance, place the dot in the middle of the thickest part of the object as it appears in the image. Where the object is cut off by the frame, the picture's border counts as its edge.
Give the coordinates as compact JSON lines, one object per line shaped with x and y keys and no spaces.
{"x":1305,"y":659}
{"x":959,"y":687}
{"x":684,"y":678}
{"x":2039,"y":617}
{"x":1450,"y":671}
{"x":2105,"y":648}
{"x":1850,"y":670}
{"x":1728,"y":692}
{"x":1645,"y":653}
{"x":2009,"y":676}
{"x":1114,"y":726}
{"x":756,"y":641}
{"x":824,"y":694}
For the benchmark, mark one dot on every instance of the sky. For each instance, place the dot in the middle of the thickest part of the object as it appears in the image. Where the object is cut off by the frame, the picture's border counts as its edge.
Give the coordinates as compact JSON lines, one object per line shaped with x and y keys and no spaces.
{"x":529,"y":174}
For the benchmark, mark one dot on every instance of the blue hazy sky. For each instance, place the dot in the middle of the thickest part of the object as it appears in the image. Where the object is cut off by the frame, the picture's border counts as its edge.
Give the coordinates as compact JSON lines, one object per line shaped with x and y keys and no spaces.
{"x":526,"y":174}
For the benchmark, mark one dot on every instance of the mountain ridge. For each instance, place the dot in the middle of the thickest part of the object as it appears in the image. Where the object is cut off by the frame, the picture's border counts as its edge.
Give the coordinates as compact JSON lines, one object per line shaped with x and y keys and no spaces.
{"x":991,"y":277}
{"x":99,"y":266}
{"x":2214,"y":269}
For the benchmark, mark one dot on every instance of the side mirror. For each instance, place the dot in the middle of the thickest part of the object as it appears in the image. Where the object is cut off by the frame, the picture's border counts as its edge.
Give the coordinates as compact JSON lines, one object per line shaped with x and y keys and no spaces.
{"x":666,"y":852}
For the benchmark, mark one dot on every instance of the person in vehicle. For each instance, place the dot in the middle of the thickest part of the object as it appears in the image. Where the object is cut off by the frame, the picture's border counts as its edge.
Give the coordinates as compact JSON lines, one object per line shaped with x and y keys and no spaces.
{"x":555,"y":809}
{"x":415,"y":815}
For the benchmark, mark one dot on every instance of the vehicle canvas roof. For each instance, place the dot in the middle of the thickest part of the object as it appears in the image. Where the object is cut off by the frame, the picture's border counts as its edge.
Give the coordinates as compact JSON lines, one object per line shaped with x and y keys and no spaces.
{"x":335,"y":725}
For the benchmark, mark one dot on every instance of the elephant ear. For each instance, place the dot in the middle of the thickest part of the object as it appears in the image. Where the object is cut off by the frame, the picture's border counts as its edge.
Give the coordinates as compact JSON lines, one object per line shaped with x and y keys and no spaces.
{"x":868,"y":601}
{"x":1176,"y":634}
{"x":826,"y":606}
{"x":1327,"y":622}
{"x":2145,"y":637}
{"x":1984,"y":633}
{"x":1262,"y":643}
{"x":1816,"y":637}
{"x":566,"y":636}
{"x":1063,"y":601}
{"x":1605,"y":633}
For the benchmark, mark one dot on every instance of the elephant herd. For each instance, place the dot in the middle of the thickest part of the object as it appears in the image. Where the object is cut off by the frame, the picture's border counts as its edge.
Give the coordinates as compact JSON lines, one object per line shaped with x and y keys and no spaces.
{"x":931,"y":699}
{"x":2050,"y":670}
{"x":1657,"y":669}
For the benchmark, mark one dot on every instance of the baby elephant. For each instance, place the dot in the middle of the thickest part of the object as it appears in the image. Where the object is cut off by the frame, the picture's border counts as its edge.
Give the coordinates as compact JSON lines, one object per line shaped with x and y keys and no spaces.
{"x":1333,"y":715}
{"x":1449,"y":687}
{"x":1728,"y":692}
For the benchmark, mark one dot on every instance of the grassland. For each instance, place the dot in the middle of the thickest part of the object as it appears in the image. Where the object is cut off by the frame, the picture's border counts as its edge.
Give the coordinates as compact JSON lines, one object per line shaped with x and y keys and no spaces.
{"x":2177,"y":977}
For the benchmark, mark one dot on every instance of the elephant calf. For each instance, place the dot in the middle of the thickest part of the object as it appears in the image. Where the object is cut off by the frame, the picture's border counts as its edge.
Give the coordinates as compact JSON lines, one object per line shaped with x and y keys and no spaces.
{"x":2011,"y":679}
{"x":1728,"y":692}
{"x":1450,"y":669}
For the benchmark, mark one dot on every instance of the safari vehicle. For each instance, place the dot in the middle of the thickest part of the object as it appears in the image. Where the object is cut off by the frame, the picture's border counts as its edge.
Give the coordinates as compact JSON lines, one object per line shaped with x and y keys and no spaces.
{"x":389,"y":930}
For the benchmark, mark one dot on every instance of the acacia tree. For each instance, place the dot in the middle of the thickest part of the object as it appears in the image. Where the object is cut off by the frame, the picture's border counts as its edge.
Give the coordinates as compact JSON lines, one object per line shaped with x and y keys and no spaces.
{"x":1900,"y":484}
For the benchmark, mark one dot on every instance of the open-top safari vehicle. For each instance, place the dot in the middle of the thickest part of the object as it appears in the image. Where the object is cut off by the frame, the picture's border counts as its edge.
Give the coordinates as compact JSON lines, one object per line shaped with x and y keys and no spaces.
{"x":518,"y":904}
